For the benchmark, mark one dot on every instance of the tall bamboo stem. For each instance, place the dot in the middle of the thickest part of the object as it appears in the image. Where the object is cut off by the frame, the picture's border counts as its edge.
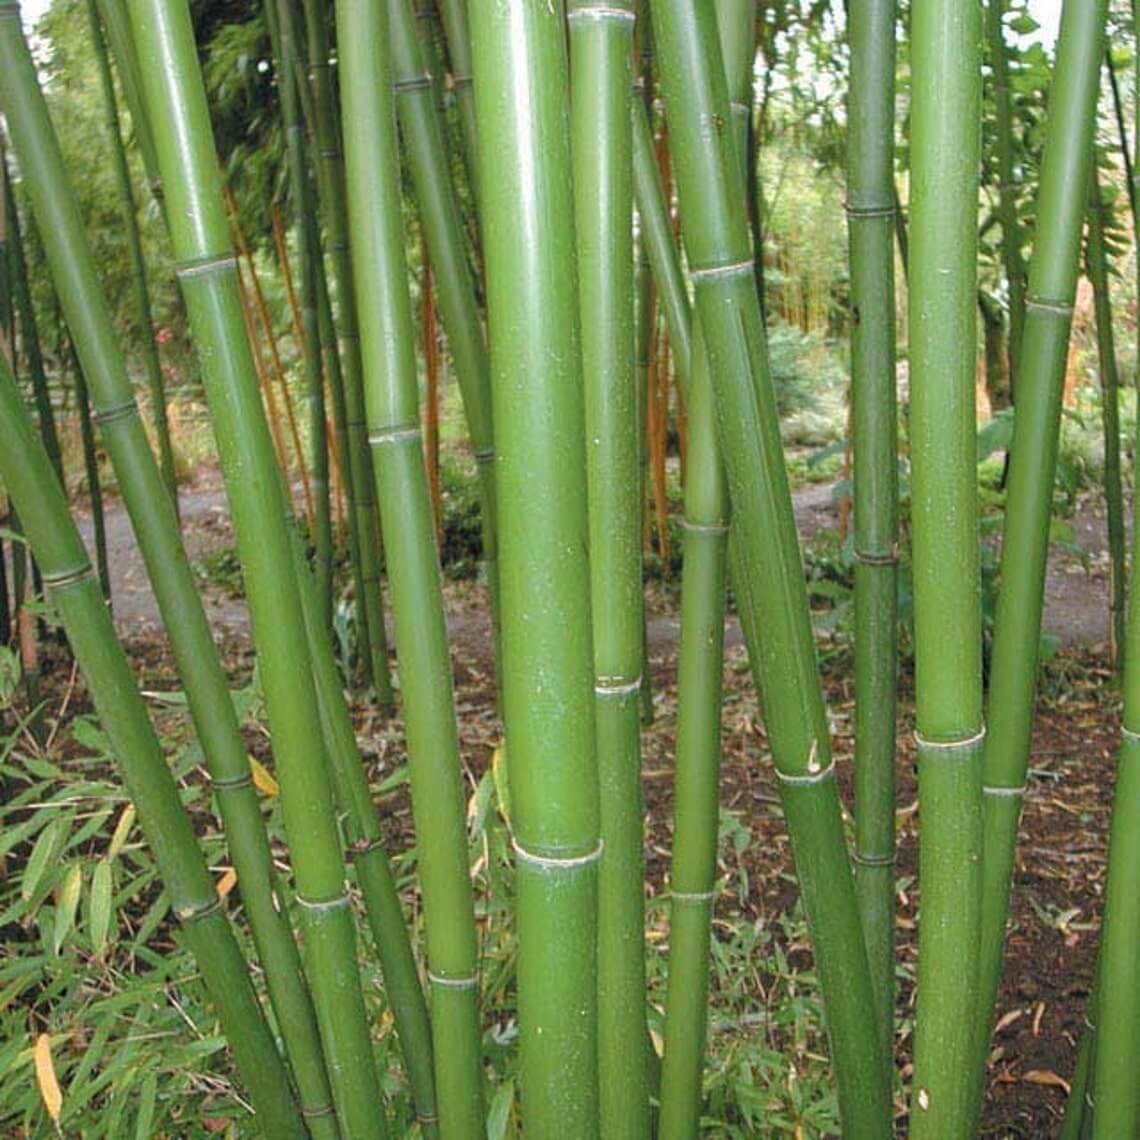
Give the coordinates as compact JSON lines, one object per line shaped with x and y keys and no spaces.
{"x":175,"y":95}
{"x":769,"y":577}
{"x":155,"y":386}
{"x":1062,"y":201}
{"x":519,"y":52}
{"x":392,"y":401}
{"x":601,"y":42}
{"x":27,"y":473}
{"x":870,"y":214}
{"x":91,"y":468}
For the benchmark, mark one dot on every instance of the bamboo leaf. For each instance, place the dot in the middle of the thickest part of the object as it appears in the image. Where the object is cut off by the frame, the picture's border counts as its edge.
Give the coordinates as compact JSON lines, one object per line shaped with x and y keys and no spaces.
{"x":502,"y":785}
{"x":146,"y":1107}
{"x":99,"y":922}
{"x":46,"y":1078}
{"x":122,"y":830}
{"x":263,"y":780}
{"x":499,"y":1117}
{"x":67,"y":905}
{"x":227,"y":882}
{"x":44,"y":848}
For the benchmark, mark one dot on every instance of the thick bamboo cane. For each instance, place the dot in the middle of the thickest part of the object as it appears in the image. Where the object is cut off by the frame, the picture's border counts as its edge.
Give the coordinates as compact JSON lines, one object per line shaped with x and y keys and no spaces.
{"x":392,"y":402}
{"x":174,"y":94}
{"x":519,"y":51}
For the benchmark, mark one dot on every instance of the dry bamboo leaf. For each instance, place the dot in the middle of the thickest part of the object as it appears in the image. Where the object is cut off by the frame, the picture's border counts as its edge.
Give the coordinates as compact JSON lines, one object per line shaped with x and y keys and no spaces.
{"x":1046,"y":1077}
{"x":263,"y":779}
{"x":227,"y":882}
{"x":46,"y":1078}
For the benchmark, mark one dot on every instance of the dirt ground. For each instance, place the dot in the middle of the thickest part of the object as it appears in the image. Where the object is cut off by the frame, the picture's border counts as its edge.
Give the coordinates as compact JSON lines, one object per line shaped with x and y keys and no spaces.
{"x":1060,"y":869}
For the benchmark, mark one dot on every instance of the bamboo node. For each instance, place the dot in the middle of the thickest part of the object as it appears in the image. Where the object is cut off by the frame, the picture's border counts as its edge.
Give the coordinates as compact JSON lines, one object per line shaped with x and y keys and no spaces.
{"x":325,"y":1109}
{"x":693,"y":896}
{"x":741,"y":108}
{"x":869,"y":558}
{"x":802,"y":780}
{"x":965,"y":744}
{"x":873,"y":210}
{"x":407,"y":83}
{"x":362,"y":847}
{"x":1129,"y":735}
{"x":717,"y":529}
{"x":323,"y":905}
{"x":734,"y":269}
{"x":616,"y":686}
{"x":61,"y":579}
{"x":189,"y":914}
{"x":396,"y":435}
{"x":484,"y":454}
{"x":123,"y":411}
{"x":466,"y":982}
{"x":206,"y":266}
{"x":602,"y":12}
{"x":557,"y":862}
{"x":231,"y":783}
{"x":997,"y":790}
{"x":874,"y":860}
{"x":9,"y":9}
{"x":1053,"y":308}
{"x":461,"y":81}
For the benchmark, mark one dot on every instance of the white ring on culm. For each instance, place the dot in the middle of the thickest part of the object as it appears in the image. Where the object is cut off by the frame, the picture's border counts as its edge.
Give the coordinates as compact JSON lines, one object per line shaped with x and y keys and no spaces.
{"x":206,"y":266}
{"x":716,"y":529}
{"x":693,"y":896}
{"x":736,"y":269}
{"x":996,"y":790}
{"x":1050,"y":307}
{"x":808,"y":778}
{"x":467,"y":983}
{"x":557,"y":863}
{"x":393,"y":435}
{"x":327,"y":904}
{"x":950,"y":745}
{"x":1129,"y":735}
{"x":622,"y":14}
{"x":607,"y":688}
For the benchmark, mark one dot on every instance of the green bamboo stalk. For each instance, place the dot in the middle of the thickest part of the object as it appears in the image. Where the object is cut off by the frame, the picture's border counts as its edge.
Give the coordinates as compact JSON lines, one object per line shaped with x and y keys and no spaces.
{"x":1061,"y":205}
{"x":770,"y":577}
{"x":519,"y":48}
{"x":426,"y":152}
{"x":332,"y":197}
{"x":174,"y":95}
{"x":27,"y":473}
{"x":392,"y":399}
{"x":152,"y":516}
{"x":700,"y":672}
{"x":1096,"y":265}
{"x":453,"y":13}
{"x":91,"y":471}
{"x":300,"y":195}
{"x":601,"y":42}
{"x":1012,"y":259}
{"x":870,"y":214}
{"x":365,"y":849}
{"x":945,"y":108}
{"x":155,"y":385}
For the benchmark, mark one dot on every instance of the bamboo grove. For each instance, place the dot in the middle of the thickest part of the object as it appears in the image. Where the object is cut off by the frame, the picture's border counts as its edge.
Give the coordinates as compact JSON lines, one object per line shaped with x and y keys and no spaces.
{"x":536,"y":177}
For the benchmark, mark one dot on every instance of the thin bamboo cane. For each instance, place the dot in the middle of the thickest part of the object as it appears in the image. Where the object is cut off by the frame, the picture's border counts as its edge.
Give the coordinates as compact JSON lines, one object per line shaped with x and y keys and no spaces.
{"x":946,"y":104}
{"x":769,"y":578}
{"x":300,"y":194}
{"x":155,"y":387}
{"x":870,"y":214}
{"x":1061,"y":206}
{"x":519,"y":51}
{"x":1012,"y":259}
{"x":601,"y":43}
{"x":332,"y":196}
{"x":454,"y":16}
{"x":175,"y":95}
{"x":260,"y":309}
{"x":391,"y":397}
{"x":27,"y":473}
{"x":1096,"y":265}
{"x":152,"y":515}
{"x":430,"y":339}
{"x":91,"y":471}
{"x":455,"y":287}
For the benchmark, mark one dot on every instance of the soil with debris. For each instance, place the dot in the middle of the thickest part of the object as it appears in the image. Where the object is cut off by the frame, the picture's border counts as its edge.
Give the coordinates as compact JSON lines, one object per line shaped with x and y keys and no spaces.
{"x":1059,"y":878}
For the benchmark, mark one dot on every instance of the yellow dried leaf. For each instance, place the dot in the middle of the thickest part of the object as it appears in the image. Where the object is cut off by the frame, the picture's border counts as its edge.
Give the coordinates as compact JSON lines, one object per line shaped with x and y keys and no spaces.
{"x":1046,"y":1077}
{"x":263,"y":779}
{"x":46,"y":1078}
{"x":122,"y":830}
{"x":227,"y":882}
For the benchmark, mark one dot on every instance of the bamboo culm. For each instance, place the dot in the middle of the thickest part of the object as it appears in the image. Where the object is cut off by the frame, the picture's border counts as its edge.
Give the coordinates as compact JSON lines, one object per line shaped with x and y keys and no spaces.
{"x":174,"y":94}
{"x":519,"y":53}
{"x":1062,"y":202}
{"x":152,"y":515}
{"x":392,"y":402}
{"x":28,"y":476}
